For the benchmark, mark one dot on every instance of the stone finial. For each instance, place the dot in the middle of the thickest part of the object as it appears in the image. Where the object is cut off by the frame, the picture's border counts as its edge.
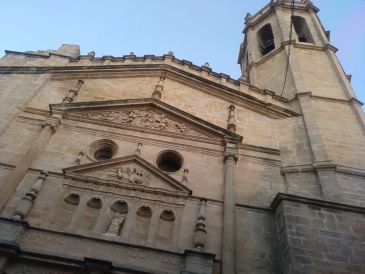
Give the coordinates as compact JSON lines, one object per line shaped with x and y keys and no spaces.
{"x":232,"y":119}
{"x":184,"y":179}
{"x":73,"y":92}
{"x":171,"y":53}
{"x":138,"y":149}
{"x":131,"y":53}
{"x":200,"y":234}
{"x":157,"y":93}
{"x":206,"y":65}
{"x":91,"y":54}
{"x":79,"y":158}
{"x":25,"y":204}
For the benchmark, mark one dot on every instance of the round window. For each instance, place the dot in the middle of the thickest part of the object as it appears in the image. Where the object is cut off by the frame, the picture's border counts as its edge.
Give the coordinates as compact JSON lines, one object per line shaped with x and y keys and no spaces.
{"x":169,"y":161}
{"x":103,"y":149}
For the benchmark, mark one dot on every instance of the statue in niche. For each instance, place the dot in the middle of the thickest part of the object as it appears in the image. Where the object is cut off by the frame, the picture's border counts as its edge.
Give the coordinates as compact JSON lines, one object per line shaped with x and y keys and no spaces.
{"x":116,"y":226}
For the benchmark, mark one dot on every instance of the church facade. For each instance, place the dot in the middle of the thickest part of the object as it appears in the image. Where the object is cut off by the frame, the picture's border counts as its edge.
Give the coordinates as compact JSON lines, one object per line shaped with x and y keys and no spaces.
{"x":155,"y":165}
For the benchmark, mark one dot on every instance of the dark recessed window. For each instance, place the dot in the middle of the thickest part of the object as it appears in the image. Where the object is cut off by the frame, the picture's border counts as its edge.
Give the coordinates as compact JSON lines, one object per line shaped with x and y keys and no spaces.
{"x":103,"y":154}
{"x":266,"y":39}
{"x":302,"y":30}
{"x":102,"y":149}
{"x":73,"y":199}
{"x":169,"y":161}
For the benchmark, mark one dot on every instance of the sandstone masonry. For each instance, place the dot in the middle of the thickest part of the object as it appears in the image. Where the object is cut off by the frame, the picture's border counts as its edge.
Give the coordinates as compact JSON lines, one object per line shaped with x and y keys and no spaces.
{"x":152,"y":164}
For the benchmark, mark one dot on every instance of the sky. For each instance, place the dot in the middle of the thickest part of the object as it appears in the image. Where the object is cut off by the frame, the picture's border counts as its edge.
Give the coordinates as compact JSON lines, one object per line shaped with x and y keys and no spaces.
{"x":199,"y":31}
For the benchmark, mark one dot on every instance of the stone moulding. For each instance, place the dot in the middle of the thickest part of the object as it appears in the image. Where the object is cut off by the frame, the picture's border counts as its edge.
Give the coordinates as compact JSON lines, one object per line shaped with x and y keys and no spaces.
{"x":333,"y":166}
{"x":36,"y":55}
{"x":144,"y":183}
{"x":145,"y":115}
{"x":217,"y":84}
{"x":252,"y":20}
{"x":309,"y":201}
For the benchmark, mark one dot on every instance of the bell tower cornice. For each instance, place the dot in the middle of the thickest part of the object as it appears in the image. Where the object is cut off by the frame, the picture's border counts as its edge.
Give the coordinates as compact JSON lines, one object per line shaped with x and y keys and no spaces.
{"x":252,"y":20}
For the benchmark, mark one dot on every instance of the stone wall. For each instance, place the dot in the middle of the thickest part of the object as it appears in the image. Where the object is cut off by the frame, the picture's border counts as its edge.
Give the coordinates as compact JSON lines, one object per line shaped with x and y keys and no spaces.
{"x":256,"y":241}
{"x":319,"y":237}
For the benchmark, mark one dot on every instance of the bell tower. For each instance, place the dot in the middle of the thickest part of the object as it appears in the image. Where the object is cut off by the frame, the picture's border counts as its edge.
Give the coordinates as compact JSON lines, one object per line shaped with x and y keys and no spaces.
{"x":287,"y":50}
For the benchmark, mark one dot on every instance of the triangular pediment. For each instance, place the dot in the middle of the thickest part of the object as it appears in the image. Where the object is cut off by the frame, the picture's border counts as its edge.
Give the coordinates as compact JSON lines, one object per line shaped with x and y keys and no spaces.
{"x":127,"y":172}
{"x":145,"y":115}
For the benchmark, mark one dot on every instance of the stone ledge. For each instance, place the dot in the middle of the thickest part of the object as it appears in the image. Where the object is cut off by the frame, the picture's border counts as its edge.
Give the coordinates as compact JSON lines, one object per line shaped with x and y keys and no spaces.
{"x":36,"y":55}
{"x":57,"y":247}
{"x":309,"y":201}
{"x":330,"y":166}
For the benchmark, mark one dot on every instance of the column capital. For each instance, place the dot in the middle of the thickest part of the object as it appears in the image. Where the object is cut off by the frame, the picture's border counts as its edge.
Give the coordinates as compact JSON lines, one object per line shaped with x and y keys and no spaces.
{"x":231,"y":150}
{"x":228,"y":155}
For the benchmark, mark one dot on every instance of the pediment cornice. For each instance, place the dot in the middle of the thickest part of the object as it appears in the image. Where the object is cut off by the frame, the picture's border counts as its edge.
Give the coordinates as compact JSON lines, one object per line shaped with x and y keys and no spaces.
{"x":145,"y":115}
{"x":129,"y":172}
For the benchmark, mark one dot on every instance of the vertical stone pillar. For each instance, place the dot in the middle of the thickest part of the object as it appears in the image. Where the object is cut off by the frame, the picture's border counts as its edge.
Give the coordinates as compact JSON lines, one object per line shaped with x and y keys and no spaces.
{"x":25,"y":204}
{"x":16,"y":176}
{"x":72,"y":93}
{"x":229,"y":215}
{"x":78,"y":214}
{"x":153,"y":225}
{"x":157,"y":93}
{"x":102,"y":219}
{"x":200,"y":233}
{"x":130,"y":220}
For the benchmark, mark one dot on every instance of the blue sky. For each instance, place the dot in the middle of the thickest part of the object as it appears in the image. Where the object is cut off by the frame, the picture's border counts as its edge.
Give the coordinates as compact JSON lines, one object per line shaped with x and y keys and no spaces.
{"x":196,"y":30}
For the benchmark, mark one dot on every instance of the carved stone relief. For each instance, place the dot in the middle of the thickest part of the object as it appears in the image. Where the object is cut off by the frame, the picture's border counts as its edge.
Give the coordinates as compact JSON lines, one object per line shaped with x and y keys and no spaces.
{"x":132,"y":175}
{"x":139,"y":118}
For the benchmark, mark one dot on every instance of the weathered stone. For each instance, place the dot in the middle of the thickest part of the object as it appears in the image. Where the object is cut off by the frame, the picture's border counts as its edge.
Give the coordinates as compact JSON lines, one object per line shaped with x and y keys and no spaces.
{"x":157,"y":165}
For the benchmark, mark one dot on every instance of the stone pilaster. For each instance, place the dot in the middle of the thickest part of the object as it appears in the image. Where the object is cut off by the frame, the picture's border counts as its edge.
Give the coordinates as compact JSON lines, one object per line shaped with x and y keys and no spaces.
{"x":130,"y":220}
{"x":228,"y":244}
{"x":16,"y":176}
{"x":153,"y":225}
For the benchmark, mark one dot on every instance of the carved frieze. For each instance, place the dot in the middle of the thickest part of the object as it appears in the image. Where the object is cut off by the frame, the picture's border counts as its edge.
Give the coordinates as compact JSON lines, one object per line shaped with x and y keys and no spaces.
{"x":129,"y":174}
{"x":138,"y":118}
